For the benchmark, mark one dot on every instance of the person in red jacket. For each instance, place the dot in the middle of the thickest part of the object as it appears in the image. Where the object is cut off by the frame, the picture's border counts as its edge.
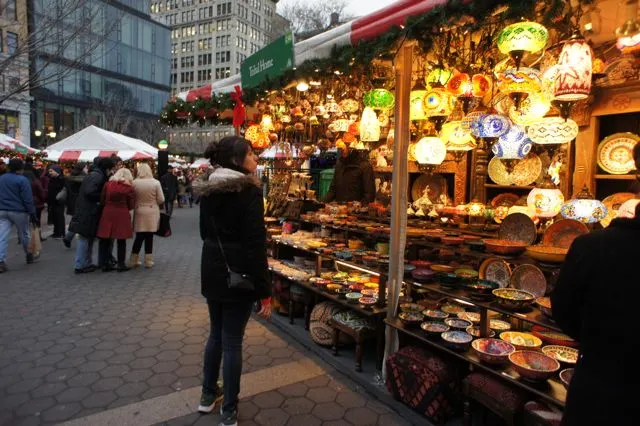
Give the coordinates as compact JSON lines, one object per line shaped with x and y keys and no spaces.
{"x":118,"y":199}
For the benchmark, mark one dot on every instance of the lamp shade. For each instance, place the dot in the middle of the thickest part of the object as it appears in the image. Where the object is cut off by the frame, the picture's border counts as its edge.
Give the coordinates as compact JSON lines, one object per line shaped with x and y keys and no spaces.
{"x":476,"y":208}
{"x":369,"y":126}
{"x":493,"y":126}
{"x":473,"y":123}
{"x":438,"y":102}
{"x":430,"y":150}
{"x":522,"y":36}
{"x":534,"y":107}
{"x":416,"y":105}
{"x":575,"y":67}
{"x":513,"y":145}
{"x":546,"y":202}
{"x":340,"y":125}
{"x":585,"y":211}
{"x":521,"y":80}
{"x":438,"y":77}
{"x":552,"y":130}
{"x":379,"y":99}
{"x":456,"y":137}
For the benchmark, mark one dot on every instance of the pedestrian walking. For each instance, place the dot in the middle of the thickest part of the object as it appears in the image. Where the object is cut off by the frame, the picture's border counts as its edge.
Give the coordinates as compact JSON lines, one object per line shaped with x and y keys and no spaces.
{"x":87,"y":214}
{"x":169,"y":183}
{"x":16,"y":208}
{"x":233,"y":231}
{"x":146,"y":216}
{"x":118,"y":199}
{"x":73,"y":183}
{"x":39,"y":199}
{"x":56,"y":199}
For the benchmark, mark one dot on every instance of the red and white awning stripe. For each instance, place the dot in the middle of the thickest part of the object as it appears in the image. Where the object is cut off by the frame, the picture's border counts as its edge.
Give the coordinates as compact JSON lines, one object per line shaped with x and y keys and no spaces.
{"x":90,"y":154}
{"x":7,"y":142}
{"x":320,"y":46}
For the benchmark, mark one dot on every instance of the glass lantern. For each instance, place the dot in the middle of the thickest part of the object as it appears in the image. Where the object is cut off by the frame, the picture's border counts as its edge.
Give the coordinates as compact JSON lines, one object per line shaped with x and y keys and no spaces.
{"x":546,"y":201}
{"x":492,"y":126}
{"x":513,"y":145}
{"x":552,"y":130}
{"x":584,"y":208}
{"x":438,"y":102}
{"x":456,"y":137}
{"x":430,"y":151}
{"x":416,"y":105}
{"x":575,"y":67}
{"x":369,"y":126}
{"x":533,"y":108}
{"x":379,"y":99}
{"x":515,"y":39}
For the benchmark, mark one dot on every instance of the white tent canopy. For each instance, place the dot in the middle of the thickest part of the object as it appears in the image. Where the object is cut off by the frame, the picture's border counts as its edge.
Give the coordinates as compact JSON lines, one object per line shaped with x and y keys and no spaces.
{"x":93,"y":142}
{"x":200,"y":163}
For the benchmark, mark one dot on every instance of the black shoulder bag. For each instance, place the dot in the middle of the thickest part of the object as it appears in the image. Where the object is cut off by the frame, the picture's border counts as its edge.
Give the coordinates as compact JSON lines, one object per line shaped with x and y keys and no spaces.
{"x":235,"y":280}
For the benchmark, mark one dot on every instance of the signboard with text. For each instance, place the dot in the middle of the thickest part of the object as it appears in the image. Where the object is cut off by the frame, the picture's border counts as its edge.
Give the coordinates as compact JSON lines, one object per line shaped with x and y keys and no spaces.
{"x":269,"y":62}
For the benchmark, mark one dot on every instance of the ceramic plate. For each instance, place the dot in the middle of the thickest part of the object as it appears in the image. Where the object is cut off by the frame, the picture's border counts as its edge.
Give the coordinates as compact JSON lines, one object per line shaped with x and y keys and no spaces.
{"x":496,"y":270}
{"x":615,"y":153}
{"x":525,"y":172}
{"x":561,"y":353}
{"x":451,"y":309}
{"x":562,"y":233}
{"x":498,"y":172}
{"x":469,"y":316}
{"x":499,"y":325}
{"x":613,"y":202}
{"x":436,"y":187}
{"x":518,"y":227}
{"x":529,"y":278}
{"x":505,"y":199}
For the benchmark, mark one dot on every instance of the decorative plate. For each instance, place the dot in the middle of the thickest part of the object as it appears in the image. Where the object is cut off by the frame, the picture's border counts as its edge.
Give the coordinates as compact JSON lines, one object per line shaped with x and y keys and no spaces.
{"x":518,"y":227}
{"x":498,"y":172}
{"x":561,"y":353}
{"x":552,"y":337}
{"x":613,"y":202}
{"x":499,"y":325}
{"x":496,"y":270}
{"x":563,"y":232}
{"x":615,"y":153}
{"x":436,"y":187}
{"x":529,"y":278}
{"x":505,"y":199}
{"x":452,"y":309}
{"x":525,"y":172}
{"x":469,"y":316}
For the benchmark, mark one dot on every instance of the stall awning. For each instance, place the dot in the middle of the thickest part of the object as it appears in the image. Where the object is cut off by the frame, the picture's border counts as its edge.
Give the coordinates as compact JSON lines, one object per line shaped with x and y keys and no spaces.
{"x":320,"y":46}
{"x":7,"y":142}
{"x":89,"y":154}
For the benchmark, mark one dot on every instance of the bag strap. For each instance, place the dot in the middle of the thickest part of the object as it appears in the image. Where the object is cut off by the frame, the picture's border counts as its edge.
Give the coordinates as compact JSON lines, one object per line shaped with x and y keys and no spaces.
{"x":215,"y":229}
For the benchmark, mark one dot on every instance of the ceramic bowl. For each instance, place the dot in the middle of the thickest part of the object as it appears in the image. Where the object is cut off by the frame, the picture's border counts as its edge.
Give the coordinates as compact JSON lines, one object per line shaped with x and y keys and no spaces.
{"x":356,"y":287}
{"x":533,"y":365}
{"x":408,"y":269}
{"x":547,"y":254}
{"x":474,"y":317}
{"x":411,"y":319}
{"x":544,"y":304}
{"x":433,"y":328}
{"x":451,"y":308}
{"x":481,"y":288}
{"x":474,"y":330}
{"x":457,"y":340}
{"x":493,"y":351}
{"x":423,"y":275}
{"x":442,"y":268}
{"x":564,"y":354}
{"x":512,"y":298}
{"x":434,"y":314}
{"x":565,"y":377}
{"x":370,"y":261}
{"x":410,"y":307}
{"x":353,"y":297}
{"x":505,"y":247}
{"x":499,"y":325}
{"x":522,"y":341}
{"x":369,"y":292}
{"x":458,"y":324}
{"x":334,"y":287}
{"x":452,"y":241}
{"x":422,"y":264}
{"x":367,"y":302}
{"x":466,"y":274}
{"x":371,"y":285}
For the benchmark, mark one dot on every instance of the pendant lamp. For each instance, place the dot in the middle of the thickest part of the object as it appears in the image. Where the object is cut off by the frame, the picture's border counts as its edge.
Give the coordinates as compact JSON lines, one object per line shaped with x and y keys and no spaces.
{"x":519,"y":83}
{"x":416,"y":102}
{"x":379,"y":99}
{"x":629,"y":33}
{"x":546,"y":200}
{"x":575,"y":67}
{"x":513,"y":145}
{"x":430,"y":151}
{"x":369,"y":126}
{"x":521,"y":37}
{"x":552,"y":130}
{"x":584,"y":208}
{"x":438,"y":76}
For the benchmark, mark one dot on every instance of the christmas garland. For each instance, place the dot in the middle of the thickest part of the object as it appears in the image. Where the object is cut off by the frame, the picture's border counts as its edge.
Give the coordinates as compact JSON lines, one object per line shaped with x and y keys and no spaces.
{"x":424,"y":29}
{"x":11,"y":153}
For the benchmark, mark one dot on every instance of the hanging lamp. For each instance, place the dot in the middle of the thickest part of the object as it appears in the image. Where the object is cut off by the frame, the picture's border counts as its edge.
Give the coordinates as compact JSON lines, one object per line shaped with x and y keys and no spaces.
{"x":369,"y":126}
{"x":430,"y":151}
{"x":575,"y":68}
{"x":628,"y":34}
{"x":521,"y":37}
{"x":552,"y":130}
{"x":584,"y":208}
{"x":513,"y":145}
{"x":466,"y":88}
{"x":457,"y":140}
{"x":545,"y":200}
{"x":379,"y":99}
{"x":416,"y":102}
{"x":438,"y":105}
{"x":519,"y":83}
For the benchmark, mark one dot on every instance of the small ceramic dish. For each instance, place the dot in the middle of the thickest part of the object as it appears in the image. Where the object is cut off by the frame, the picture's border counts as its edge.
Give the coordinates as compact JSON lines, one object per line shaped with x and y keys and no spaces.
{"x":467,"y":274}
{"x":411,"y":319}
{"x":423,"y":275}
{"x":422,"y":264}
{"x":353,"y":297}
{"x":533,"y":365}
{"x":410,"y":307}
{"x":499,"y":325}
{"x":369,"y":292}
{"x":474,"y":330}
{"x":371,"y":285}
{"x":544,"y":304}
{"x":547,"y":254}
{"x":370,"y":261}
{"x":356,"y":287}
{"x":457,"y":340}
{"x":448,"y":279}
{"x":367,"y":302}
{"x":442,"y":268}
{"x":512,"y":298}
{"x":522,"y":341}
{"x":493,"y":351}
{"x":505,"y":247}
{"x":565,"y":377}
{"x":474,"y":317}
{"x":408,"y":269}
{"x":552,"y":337}
{"x":482,"y":288}
{"x":451,"y":308}
{"x":342,"y":292}
{"x":433,"y":328}
{"x":458,"y":324}
{"x":434,"y":314}
{"x":334,"y":287}
{"x":563,"y":354}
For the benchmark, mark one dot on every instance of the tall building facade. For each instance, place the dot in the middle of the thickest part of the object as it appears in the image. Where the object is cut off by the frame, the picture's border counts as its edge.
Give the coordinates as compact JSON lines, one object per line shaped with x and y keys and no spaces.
{"x":14,"y":71}
{"x":108,"y":64}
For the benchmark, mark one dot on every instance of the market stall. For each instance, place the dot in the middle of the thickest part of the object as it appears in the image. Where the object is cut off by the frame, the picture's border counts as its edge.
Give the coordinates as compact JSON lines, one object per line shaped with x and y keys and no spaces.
{"x":495,"y":141}
{"x":10,"y":147}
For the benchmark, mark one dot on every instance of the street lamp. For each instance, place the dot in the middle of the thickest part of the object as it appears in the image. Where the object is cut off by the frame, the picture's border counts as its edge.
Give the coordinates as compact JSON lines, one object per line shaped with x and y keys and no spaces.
{"x":52,"y":134}
{"x":38,"y":133}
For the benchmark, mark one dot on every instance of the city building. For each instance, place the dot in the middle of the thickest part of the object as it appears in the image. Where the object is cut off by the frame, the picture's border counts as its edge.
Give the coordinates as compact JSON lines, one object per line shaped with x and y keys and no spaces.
{"x":209,"y":41}
{"x":102,"y":62}
{"x":14,"y":71}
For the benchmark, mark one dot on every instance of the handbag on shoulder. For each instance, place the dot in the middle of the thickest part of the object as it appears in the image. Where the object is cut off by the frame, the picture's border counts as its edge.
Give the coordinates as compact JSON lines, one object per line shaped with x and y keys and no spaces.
{"x":164,"y":226}
{"x":235,"y":280}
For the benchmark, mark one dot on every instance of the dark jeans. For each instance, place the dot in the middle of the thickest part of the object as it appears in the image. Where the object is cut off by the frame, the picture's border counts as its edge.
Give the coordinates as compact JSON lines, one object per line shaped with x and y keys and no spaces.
{"x":105,"y":247}
{"x":228,"y":322}
{"x":57,"y":217}
{"x":168,"y":207}
{"x":147,"y":237}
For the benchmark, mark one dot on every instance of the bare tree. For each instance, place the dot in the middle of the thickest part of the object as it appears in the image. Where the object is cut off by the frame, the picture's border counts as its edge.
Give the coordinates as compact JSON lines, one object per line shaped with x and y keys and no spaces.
{"x":67,"y":33}
{"x":149,"y":130}
{"x":308,"y":15}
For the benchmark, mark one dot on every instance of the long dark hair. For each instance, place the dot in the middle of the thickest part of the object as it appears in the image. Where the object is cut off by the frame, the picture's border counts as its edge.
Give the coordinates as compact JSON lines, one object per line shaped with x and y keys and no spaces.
{"x":229,"y":152}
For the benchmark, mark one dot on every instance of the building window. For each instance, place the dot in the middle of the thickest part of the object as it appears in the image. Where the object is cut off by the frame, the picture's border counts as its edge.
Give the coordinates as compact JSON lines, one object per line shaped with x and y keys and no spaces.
{"x":12,"y":42}
{"x":9,"y":122}
{"x":10,"y":10}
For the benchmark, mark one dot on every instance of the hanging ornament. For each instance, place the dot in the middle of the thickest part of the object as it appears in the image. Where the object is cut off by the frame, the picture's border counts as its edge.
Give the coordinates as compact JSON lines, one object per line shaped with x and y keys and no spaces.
{"x":575,"y":67}
{"x":490,"y":126}
{"x":552,"y":130}
{"x":584,"y":208}
{"x":380,"y":99}
{"x":456,"y":137}
{"x":521,"y":37}
{"x":513,"y":145}
{"x":465,"y":88}
{"x":369,"y":126}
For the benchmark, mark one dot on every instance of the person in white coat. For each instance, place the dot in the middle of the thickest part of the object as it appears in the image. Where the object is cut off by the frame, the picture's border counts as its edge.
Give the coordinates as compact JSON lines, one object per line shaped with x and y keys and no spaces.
{"x":149,"y":197}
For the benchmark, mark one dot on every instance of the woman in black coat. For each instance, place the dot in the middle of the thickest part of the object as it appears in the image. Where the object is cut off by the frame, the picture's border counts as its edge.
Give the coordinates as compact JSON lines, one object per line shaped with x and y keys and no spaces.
{"x":232,"y":228}
{"x":353,"y":179}
{"x":600,"y":277}
{"x":73,"y":183}
{"x":56,"y":207}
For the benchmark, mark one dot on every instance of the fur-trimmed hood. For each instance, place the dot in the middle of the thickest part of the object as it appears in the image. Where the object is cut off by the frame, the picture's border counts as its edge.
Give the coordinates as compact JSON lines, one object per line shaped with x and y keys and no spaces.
{"x":222,"y":181}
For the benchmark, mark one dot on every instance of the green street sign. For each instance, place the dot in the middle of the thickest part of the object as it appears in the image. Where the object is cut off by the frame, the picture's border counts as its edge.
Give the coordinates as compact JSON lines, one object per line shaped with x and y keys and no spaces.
{"x":269,"y":62}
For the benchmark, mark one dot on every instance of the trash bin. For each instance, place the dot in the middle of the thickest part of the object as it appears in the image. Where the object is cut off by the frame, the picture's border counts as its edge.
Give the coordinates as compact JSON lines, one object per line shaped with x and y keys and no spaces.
{"x":326,"y":176}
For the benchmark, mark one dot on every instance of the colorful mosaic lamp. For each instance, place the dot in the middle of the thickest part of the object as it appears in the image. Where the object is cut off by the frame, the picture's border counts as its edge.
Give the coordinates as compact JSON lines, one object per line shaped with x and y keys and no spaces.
{"x":519,"y":83}
{"x":533,"y":108}
{"x":466,"y":88}
{"x":575,"y":68}
{"x":417,"y":109}
{"x":490,"y":126}
{"x":521,"y":37}
{"x":369,"y":126}
{"x":457,"y":139}
{"x":552,"y":130}
{"x":513,"y":145}
{"x":430,"y":151}
{"x":379,"y":99}
{"x":546,"y":200}
{"x":584,"y":208}
{"x":439,"y":76}
{"x":438,"y":105}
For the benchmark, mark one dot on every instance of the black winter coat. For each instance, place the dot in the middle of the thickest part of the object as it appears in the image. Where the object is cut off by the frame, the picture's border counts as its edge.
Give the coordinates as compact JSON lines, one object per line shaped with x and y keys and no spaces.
{"x":595,"y":302}
{"x":88,"y":208}
{"x":169,"y":184}
{"x":352,"y":181}
{"x":55,"y":186}
{"x":73,"y":189}
{"x":231,"y":204}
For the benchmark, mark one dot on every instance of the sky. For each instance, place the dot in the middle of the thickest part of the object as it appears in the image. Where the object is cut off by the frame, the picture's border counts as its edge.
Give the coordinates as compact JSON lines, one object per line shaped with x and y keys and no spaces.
{"x":358,"y":7}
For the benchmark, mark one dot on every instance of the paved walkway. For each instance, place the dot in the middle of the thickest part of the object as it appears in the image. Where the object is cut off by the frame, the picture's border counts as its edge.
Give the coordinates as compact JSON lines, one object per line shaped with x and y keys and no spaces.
{"x":126,"y":349}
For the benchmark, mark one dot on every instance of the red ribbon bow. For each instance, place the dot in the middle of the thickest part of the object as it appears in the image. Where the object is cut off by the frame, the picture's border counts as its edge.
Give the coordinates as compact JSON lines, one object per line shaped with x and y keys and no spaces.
{"x":238,"y":111}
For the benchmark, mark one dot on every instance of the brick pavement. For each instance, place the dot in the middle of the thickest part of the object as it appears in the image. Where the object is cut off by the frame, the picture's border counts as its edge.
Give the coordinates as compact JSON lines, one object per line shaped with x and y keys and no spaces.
{"x":75,"y":345}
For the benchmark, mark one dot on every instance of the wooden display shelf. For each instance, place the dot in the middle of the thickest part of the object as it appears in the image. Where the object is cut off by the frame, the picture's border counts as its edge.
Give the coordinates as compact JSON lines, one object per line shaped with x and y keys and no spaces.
{"x":551,"y":390}
{"x":495,"y":185}
{"x":616,"y":177}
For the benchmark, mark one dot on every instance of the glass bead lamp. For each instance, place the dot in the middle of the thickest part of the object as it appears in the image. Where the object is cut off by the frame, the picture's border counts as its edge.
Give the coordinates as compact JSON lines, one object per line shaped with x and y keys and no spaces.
{"x":552,"y":130}
{"x":546,"y":200}
{"x":379,"y":99}
{"x":513,"y":145}
{"x":369,"y":126}
{"x":466,"y":87}
{"x":456,"y":137}
{"x":473,"y":123}
{"x":516,"y":39}
{"x":584,"y":208}
{"x":575,"y":68}
{"x":430,"y":151}
{"x":416,"y":105}
{"x":438,"y":77}
{"x":519,"y":83}
{"x":628,"y":34}
{"x":494,"y":126}
{"x":533,"y":108}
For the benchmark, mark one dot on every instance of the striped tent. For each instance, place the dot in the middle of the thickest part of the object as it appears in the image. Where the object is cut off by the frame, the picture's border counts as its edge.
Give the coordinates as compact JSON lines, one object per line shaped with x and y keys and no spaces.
{"x":7,"y":142}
